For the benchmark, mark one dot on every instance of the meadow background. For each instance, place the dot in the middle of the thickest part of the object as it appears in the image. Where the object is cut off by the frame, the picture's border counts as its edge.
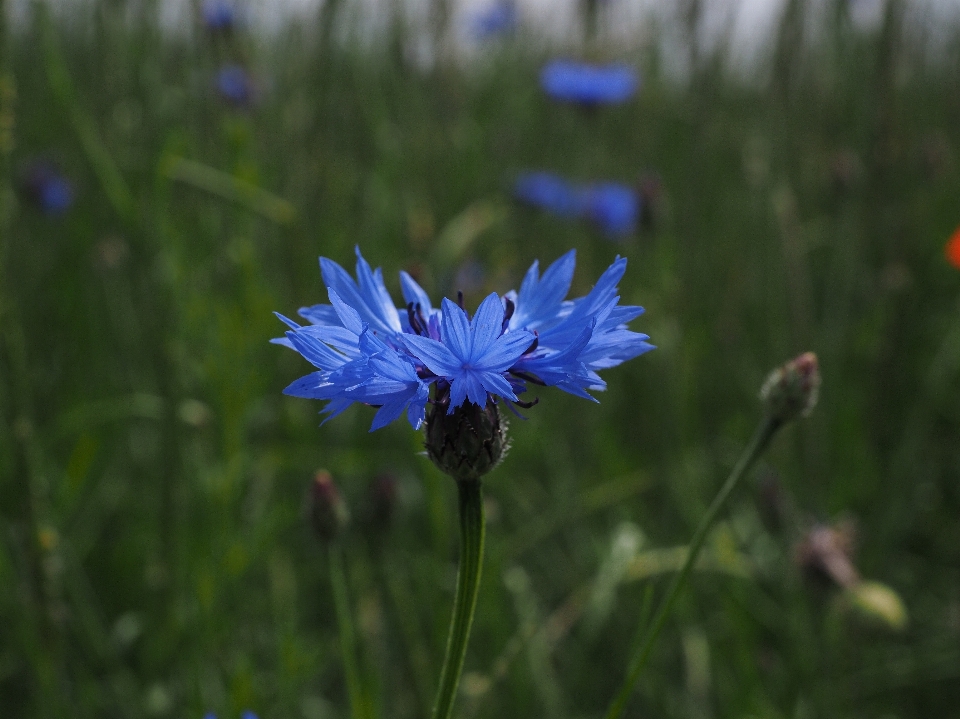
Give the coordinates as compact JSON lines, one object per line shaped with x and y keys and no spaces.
{"x":155,"y":558}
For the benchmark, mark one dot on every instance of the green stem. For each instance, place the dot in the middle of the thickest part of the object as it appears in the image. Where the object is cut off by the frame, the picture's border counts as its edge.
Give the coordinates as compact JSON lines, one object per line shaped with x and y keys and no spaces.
{"x":468,"y":583}
{"x":761,"y":438}
{"x":348,"y":644}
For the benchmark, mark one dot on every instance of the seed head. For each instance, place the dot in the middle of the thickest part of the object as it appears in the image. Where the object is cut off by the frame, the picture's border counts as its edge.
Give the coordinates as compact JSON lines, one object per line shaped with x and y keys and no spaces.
{"x":328,"y":512}
{"x":791,"y":390}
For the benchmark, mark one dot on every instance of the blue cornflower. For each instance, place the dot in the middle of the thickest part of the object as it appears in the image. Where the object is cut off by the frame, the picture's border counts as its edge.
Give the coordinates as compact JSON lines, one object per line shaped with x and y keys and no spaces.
{"x":218,"y":15}
{"x":613,"y":207}
{"x":474,"y":354}
{"x":47,"y":187}
{"x":498,"y":19}
{"x":235,"y":85}
{"x":549,"y":192}
{"x":589,"y":84}
{"x":367,"y":351}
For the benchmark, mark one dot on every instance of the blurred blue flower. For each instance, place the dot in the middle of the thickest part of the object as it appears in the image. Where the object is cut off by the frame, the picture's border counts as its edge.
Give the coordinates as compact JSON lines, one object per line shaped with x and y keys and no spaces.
{"x":613,"y":207}
{"x":548,"y":192}
{"x":589,"y":84}
{"x":247,"y":714}
{"x":236,"y":86}
{"x":498,"y":19}
{"x":218,"y":15}
{"x":47,"y":187}
{"x":367,"y":351}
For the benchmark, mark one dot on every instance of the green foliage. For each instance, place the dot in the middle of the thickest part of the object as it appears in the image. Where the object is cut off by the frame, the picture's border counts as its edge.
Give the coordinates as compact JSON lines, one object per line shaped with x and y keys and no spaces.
{"x":155,"y":558}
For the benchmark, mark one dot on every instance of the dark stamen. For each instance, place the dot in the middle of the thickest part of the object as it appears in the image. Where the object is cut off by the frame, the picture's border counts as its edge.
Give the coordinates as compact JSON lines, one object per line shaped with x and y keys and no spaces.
{"x":533,"y":345}
{"x":526,"y":376}
{"x":412,"y":319}
{"x":423,"y":321}
{"x":507,"y":314}
{"x":460,"y":300}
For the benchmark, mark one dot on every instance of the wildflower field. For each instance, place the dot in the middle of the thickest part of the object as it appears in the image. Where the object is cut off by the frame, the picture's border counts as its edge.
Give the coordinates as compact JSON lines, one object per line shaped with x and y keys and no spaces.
{"x":179,"y":538}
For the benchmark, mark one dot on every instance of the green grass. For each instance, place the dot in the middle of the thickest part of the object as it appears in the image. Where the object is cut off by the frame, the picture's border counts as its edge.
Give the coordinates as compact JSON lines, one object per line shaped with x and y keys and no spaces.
{"x":155,"y":559}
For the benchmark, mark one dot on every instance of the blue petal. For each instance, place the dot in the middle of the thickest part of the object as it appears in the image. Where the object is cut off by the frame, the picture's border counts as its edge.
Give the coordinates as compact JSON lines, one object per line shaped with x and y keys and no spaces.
{"x":376,"y":295}
{"x":319,"y":315}
{"x":504,"y":352}
{"x":486,"y":326}
{"x":347,"y":314}
{"x":455,"y":331}
{"x":389,"y":412}
{"x":434,"y":355}
{"x":540,"y":299}
{"x":458,"y":392}
{"x":311,"y":386}
{"x":473,"y":384}
{"x":412,"y":292}
{"x":495,"y":383}
{"x":315,"y":351}
{"x":287,"y":321}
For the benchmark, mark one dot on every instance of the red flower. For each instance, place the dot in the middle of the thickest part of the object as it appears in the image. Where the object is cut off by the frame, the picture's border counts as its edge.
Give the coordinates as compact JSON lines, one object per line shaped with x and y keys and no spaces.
{"x":952,"y":249}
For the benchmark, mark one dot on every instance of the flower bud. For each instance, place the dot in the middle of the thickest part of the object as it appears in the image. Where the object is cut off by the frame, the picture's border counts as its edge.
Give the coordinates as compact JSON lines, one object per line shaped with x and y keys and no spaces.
{"x":328,"y":512}
{"x":879,"y":602}
{"x":825,"y":554}
{"x":381,"y":501}
{"x":467,"y":443}
{"x":792,"y":389}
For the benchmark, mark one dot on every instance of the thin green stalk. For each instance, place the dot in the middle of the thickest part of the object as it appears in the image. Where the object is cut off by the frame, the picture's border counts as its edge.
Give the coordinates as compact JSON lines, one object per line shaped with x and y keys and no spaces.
{"x":761,"y":438}
{"x":468,"y":583}
{"x":348,"y":643}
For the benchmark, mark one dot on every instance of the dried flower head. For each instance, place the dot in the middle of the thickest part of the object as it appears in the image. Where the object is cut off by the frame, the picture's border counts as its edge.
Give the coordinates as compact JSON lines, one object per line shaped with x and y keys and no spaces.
{"x":328,"y":512}
{"x":791,"y":391}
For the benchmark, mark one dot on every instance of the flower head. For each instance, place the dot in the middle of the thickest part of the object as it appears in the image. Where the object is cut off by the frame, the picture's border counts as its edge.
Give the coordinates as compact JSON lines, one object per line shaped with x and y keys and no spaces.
{"x":218,"y":15}
{"x":496,"y":20}
{"x":368,"y":351}
{"x":548,"y":192}
{"x":236,"y":86}
{"x":47,"y":187}
{"x":952,"y":249}
{"x":613,"y":207}
{"x":587,"y":84}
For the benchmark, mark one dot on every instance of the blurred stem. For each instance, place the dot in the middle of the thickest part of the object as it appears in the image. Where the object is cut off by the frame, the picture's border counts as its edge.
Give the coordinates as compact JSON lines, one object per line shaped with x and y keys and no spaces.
{"x":468,"y":584}
{"x":348,"y":642}
{"x":761,"y":439}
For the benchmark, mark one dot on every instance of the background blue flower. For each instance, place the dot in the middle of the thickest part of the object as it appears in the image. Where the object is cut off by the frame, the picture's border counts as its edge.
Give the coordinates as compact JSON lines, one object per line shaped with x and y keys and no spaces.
{"x":549,"y":192}
{"x":615,"y":208}
{"x":580,"y":82}
{"x":47,"y":187}
{"x":498,"y":19}
{"x":235,"y":85}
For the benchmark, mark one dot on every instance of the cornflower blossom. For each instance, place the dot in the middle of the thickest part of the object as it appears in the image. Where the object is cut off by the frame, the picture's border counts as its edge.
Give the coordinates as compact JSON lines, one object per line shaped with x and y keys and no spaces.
{"x":587,"y":84}
{"x":952,"y":249}
{"x":236,"y":86}
{"x":47,"y":187}
{"x":368,"y":351}
{"x":613,"y":207}
{"x":218,"y":15}
{"x":497,"y":20}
